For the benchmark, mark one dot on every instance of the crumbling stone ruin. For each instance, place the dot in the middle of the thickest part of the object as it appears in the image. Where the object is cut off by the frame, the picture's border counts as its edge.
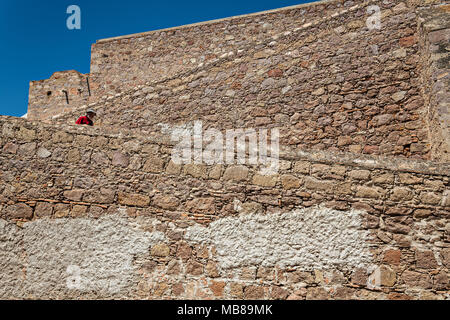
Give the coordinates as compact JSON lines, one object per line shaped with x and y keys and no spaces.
{"x":357,"y":208}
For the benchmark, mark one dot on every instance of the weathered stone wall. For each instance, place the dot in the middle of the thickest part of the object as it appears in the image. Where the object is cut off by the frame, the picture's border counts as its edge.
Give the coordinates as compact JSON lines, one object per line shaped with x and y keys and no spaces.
{"x":329,"y":83}
{"x":163,"y":54}
{"x":327,"y":225}
{"x":47,"y":98}
{"x":317,"y":70}
{"x":340,"y":219}
{"x":435,"y":39}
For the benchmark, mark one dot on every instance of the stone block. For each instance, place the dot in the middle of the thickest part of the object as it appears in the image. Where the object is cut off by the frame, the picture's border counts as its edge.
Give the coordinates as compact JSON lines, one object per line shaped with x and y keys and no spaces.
{"x":217,"y":288}
{"x":237,"y":290}
{"x":194,"y":268}
{"x":27,"y":149}
{"x":236,"y":173}
{"x":74,"y":195}
{"x":196,"y":170}
{"x":216,"y":172}
{"x":19,"y":211}
{"x":103,"y":195}
{"x":212,"y":270}
{"x":302,"y":167}
{"x":62,"y":137}
{"x":383,"y":178}
{"x":173,"y":168}
{"x":73,"y":156}
{"x":79,"y":211}
{"x":407,"y":178}
{"x":430,"y":198}
{"x":369,"y":192}
{"x":61,"y":210}
{"x":401,"y":194}
{"x":360,"y":277}
{"x":321,"y":185}
{"x":278,"y":293}
{"x":154,"y":164}
{"x":254,"y":292}
{"x":43,"y":153}
{"x":10,"y":148}
{"x":120,"y":159}
{"x":25,"y":134}
{"x":425,"y":260}
{"x":392,"y":256}
{"x":43,"y":209}
{"x":133,"y":199}
{"x":359,"y":174}
{"x":414,"y":279}
{"x":290,"y":182}
{"x":265,"y":181}
{"x":160,"y":250}
{"x":166,"y":202}
{"x":201,"y":205}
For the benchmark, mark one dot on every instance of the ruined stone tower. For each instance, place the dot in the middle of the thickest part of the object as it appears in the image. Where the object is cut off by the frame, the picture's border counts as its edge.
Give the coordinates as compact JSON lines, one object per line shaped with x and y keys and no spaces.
{"x":357,"y":208}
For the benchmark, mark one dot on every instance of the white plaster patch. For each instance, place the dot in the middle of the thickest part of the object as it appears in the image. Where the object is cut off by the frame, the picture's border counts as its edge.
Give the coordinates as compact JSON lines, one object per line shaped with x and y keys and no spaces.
{"x":83,"y":254}
{"x":11,"y":261}
{"x":311,"y":238}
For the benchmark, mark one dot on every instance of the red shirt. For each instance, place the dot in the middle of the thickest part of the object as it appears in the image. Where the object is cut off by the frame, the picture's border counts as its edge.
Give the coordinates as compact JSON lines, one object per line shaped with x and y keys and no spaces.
{"x":84,"y":120}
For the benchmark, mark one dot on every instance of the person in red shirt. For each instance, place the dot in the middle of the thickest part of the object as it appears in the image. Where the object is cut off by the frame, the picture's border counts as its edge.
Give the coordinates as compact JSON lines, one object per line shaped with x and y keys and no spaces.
{"x":87,"y":119}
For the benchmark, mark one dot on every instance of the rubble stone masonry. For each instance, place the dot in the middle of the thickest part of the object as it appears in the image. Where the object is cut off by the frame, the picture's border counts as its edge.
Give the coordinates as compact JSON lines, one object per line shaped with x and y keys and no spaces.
{"x":63,"y":92}
{"x":357,"y":210}
{"x":315,"y":70}
{"x":136,"y":225}
{"x":435,"y":39}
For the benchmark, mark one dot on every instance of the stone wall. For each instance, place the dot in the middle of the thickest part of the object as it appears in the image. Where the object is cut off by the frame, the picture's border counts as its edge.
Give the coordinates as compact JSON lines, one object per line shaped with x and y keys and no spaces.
{"x":63,"y":92}
{"x":115,"y":208}
{"x":316,"y":70}
{"x":162,"y":54}
{"x":105,"y":212}
{"x":435,"y":38}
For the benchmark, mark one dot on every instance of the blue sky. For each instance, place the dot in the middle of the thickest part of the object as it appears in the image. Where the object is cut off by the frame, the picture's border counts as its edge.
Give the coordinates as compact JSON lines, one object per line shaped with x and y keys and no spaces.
{"x":36,"y":42}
